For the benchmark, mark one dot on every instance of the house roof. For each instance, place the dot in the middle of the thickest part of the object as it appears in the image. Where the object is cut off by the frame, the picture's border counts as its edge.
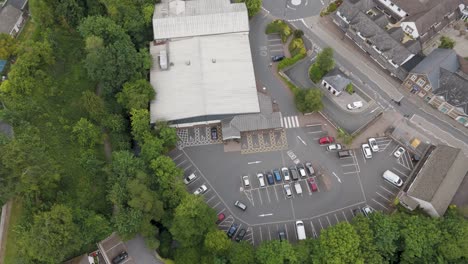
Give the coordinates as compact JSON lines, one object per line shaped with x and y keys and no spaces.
{"x":177,"y":18}
{"x":8,"y":17}
{"x":439,"y":58}
{"x":430,"y":13}
{"x":454,"y":89}
{"x":337,"y":79}
{"x":440,"y":176}
{"x":207,"y":75}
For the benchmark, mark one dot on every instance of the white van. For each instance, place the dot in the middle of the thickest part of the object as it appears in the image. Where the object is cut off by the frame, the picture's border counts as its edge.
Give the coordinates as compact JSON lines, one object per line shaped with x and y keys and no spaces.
{"x":301,"y":235}
{"x":298,"y":188}
{"x":392,"y":178}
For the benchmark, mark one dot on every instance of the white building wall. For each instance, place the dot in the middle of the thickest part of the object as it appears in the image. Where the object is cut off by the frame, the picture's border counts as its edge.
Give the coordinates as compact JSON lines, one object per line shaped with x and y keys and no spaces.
{"x":427,"y":207}
{"x":410,"y":28}
{"x":401,"y":13}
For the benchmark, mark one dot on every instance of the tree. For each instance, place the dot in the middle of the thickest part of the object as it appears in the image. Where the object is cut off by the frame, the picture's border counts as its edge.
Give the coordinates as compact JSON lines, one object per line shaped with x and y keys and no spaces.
{"x":339,"y":244}
{"x":253,"y":6}
{"x":140,"y":119}
{"x":51,"y":236}
{"x":167,"y":134}
{"x":193,"y":218}
{"x":367,"y":247}
{"x":94,"y":105}
{"x":241,"y":253}
{"x":308,"y":100}
{"x":8,"y":46}
{"x":217,"y":242}
{"x":274,"y":251}
{"x":454,"y":244}
{"x":325,"y":60}
{"x":128,"y":222}
{"x":187,"y":255}
{"x":86,"y":133}
{"x":446,"y":43}
{"x":168,"y":178}
{"x":386,"y":235}
{"x":151,"y":148}
{"x":136,"y":94}
{"x":349,"y":88}
{"x":315,"y":73}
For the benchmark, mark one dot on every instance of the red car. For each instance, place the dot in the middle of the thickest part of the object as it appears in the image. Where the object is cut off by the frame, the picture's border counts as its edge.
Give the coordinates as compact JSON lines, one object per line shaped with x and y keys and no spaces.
{"x":326,"y":140}
{"x":312,"y":184}
{"x":221,"y":217}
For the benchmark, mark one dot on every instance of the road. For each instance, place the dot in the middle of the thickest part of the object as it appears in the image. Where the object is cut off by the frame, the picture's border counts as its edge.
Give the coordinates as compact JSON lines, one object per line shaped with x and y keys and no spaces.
{"x":371,"y":78}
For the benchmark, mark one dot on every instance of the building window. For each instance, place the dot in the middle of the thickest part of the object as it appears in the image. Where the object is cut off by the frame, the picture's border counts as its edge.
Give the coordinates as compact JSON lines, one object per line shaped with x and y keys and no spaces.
{"x":443,"y":109}
{"x":399,"y":9}
{"x":392,"y":4}
{"x":421,"y":82}
{"x":409,"y":29}
{"x":413,"y":77}
{"x":427,"y":87}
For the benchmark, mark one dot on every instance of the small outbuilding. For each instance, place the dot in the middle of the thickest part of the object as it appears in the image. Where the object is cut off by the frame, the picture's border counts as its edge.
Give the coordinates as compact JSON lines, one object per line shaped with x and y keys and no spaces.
{"x":335,"y":82}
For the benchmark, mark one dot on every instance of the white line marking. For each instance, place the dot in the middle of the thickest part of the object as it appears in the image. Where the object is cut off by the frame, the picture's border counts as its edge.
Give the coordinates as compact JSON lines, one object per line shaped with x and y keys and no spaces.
{"x":320,"y":222}
{"x":403,"y":174}
{"x":385,"y":189}
{"x":328,"y":219}
{"x":345,"y":216}
{"x":297,"y":121}
{"x":385,"y":198}
{"x":338,"y":178}
{"x":379,"y":203}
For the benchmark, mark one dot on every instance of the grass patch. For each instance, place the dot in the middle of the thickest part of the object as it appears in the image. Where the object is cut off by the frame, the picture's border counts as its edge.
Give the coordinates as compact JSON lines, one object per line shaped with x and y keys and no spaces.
{"x":12,"y":249}
{"x":296,"y":46}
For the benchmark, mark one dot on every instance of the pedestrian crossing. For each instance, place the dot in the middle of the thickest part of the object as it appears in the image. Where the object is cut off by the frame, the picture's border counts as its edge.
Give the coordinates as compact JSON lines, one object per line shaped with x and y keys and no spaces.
{"x":290,"y":121}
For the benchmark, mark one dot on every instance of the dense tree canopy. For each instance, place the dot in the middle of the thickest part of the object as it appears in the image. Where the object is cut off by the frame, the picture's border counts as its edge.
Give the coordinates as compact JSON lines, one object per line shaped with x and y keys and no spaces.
{"x":308,"y":100}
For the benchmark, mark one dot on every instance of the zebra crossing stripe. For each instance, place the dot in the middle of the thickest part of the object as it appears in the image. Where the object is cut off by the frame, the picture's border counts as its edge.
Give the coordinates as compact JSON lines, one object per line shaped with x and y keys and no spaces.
{"x":282,"y":124}
{"x":297,"y":121}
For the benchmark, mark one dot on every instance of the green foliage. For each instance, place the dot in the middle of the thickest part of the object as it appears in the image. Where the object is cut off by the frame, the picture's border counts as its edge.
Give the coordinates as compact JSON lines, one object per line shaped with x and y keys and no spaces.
{"x":339,"y":244}
{"x":349,"y":88}
{"x":253,"y":6}
{"x":315,"y":73}
{"x":193,"y":218}
{"x":241,"y":253}
{"x":454,"y":238}
{"x":446,"y":43}
{"x":140,"y":123}
{"x":217,"y":242}
{"x":298,"y":33}
{"x":274,"y":251}
{"x":167,"y":134}
{"x":136,"y":95}
{"x":280,"y":27}
{"x":325,"y":60}
{"x":345,"y":136}
{"x":86,"y":133}
{"x":296,"y":46}
{"x":367,"y":247}
{"x":286,"y":62}
{"x":94,"y":105}
{"x":308,"y":100}
{"x":331,"y":7}
{"x":8,"y":46}
{"x":386,"y":235}
{"x":187,"y":255}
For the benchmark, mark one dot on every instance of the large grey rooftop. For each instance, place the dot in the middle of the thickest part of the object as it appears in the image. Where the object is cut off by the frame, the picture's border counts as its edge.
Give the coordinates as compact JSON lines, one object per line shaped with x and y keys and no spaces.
{"x":454,"y":89}
{"x":437,"y":59}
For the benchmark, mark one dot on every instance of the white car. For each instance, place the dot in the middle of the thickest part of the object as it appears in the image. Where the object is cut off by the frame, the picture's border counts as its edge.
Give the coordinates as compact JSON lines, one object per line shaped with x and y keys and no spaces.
{"x":285,"y":172}
{"x":189,"y":179}
{"x":201,"y":190}
{"x":246,"y":181}
{"x":355,"y":105}
{"x":334,"y":147}
{"x":373,"y":144}
{"x":287,"y":189}
{"x":399,"y":152}
{"x":367,"y":151}
{"x":261,"y":179}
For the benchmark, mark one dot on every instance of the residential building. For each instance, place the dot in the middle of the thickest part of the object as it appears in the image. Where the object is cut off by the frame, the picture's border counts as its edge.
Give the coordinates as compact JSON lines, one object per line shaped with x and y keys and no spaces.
{"x":440,"y":82}
{"x":335,"y":82}
{"x":435,"y":182}
{"x":12,"y":16}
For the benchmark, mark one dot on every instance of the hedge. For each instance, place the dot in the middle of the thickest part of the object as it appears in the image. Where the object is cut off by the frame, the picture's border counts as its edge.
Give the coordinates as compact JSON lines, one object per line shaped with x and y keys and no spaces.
{"x":296,"y":46}
{"x":286,"y":62}
{"x":280,"y":27}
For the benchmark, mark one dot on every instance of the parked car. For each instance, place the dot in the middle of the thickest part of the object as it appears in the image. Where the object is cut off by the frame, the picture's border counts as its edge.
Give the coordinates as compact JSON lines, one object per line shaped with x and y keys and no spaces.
{"x":367,"y":210}
{"x":240,"y":205}
{"x":326,"y":140}
{"x":270,"y":178}
{"x":334,"y":147}
{"x":246,"y":181}
{"x":415,"y":158}
{"x":221,"y":218}
{"x":309,"y":168}
{"x":190,"y":178}
{"x":357,"y":212}
{"x":277,"y":58}
{"x":282,"y":235}
{"x":373,"y":144}
{"x":201,"y":190}
{"x":301,"y":170}
{"x":277,"y":175}
{"x":312,"y":184}
{"x":120,"y":257}
{"x":261,"y":179}
{"x":298,"y":188}
{"x":232,"y":230}
{"x":399,"y":152}
{"x":240,"y":235}
{"x":366,"y":150}
{"x":214,"y":133}
{"x":355,"y":105}
{"x":344,"y":153}
{"x":285,"y":172}
{"x":287,"y":190}
{"x":294,"y":173}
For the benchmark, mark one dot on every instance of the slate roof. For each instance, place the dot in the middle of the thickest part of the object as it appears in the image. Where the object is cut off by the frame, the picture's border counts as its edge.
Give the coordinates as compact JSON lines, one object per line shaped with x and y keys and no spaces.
{"x":454,"y":89}
{"x":433,"y":13}
{"x":337,"y":79}
{"x":440,"y":176}
{"x":20,"y":4}
{"x":8,"y":17}
{"x":439,"y":58}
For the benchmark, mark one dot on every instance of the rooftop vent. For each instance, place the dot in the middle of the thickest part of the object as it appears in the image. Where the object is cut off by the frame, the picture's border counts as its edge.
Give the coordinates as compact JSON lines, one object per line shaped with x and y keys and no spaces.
{"x":187,"y":62}
{"x":213,"y":60}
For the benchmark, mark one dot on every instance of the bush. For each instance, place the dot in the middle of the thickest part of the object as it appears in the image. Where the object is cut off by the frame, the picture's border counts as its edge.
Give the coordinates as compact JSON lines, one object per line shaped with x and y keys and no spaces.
{"x":298,"y":33}
{"x":308,"y":100}
{"x":350,"y":88}
{"x":332,"y":7}
{"x":315,"y":73}
{"x":286,"y":62}
{"x":297,"y":46}
{"x":280,"y":27}
{"x":345,"y":136}
{"x":446,"y":43}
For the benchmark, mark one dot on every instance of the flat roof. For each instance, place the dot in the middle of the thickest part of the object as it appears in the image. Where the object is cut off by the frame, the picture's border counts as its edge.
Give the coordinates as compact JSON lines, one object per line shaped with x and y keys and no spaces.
{"x":207,"y":75}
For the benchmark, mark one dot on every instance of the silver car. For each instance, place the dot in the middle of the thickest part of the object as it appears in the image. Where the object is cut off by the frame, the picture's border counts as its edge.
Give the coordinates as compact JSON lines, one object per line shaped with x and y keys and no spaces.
{"x":287,"y":190}
{"x":201,"y":190}
{"x":399,"y":152}
{"x":285,"y":172}
{"x":373,"y":144}
{"x":367,"y":151}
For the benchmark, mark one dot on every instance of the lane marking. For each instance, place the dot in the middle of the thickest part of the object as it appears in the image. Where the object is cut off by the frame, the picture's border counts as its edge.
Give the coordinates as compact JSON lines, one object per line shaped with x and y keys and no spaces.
{"x":379,"y":203}
{"x":385,"y":198}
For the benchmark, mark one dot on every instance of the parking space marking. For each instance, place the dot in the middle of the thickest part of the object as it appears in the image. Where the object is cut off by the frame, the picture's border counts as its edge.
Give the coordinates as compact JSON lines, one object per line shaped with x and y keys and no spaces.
{"x":221,"y":210}
{"x":393,"y":186}
{"x":385,"y":198}
{"x":385,"y":189}
{"x":345,"y":216}
{"x":261,"y":235}
{"x":269,"y":232}
{"x":346,"y":165}
{"x":393,"y":151}
{"x":260,"y":195}
{"x":401,"y":173}
{"x":186,"y":168}
{"x":328,"y":219}
{"x":176,"y":157}
{"x":320,"y":222}
{"x":314,"y":233}
{"x":276,"y":194}
{"x":210,"y":199}
{"x":292,"y":208}
{"x":379,"y":204}
{"x":248,"y":194}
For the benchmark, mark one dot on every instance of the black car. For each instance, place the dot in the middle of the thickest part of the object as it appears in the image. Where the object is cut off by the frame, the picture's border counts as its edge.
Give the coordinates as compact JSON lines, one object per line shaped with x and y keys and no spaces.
{"x":357,"y":212}
{"x":240,"y":235}
{"x":282,"y":236}
{"x":120,"y":257}
{"x":294,"y":173}
{"x":214,"y":133}
{"x":270,"y":178}
{"x":277,"y":58}
{"x":232,"y":230}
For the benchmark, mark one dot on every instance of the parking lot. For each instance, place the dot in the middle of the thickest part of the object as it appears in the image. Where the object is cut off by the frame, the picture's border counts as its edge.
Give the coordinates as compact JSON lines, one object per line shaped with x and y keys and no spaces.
{"x":343,"y":185}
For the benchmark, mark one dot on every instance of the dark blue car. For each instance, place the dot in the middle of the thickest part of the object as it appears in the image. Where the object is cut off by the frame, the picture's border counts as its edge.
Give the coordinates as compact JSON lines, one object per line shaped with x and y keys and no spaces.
{"x":270,"y":178}
{"x":232,"y":230}
{"x":277,"y":174}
